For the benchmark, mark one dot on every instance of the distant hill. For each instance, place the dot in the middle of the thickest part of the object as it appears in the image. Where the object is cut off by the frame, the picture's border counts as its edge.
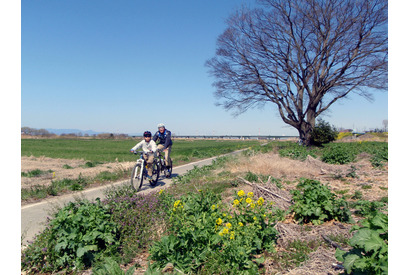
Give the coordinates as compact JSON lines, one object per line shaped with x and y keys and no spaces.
{"x":72,"y":131}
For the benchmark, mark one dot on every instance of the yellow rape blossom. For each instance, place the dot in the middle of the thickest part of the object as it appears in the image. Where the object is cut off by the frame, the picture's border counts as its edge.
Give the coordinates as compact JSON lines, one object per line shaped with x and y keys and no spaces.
{"x":219,"y":221}
{"x":229,"y":225}
{"x":232,"y":235}
{"x":240,"y":224}
{"x":213,"y":207}
{"x":241,"y":193}
{"x":160,"y":191}
{"x":225,"y":231}
{"x":248,"y":200}
{"x":250,"y":195}
{"x":252,"y":205}
{"x":235,"y":202}
{"x":261,"y":201}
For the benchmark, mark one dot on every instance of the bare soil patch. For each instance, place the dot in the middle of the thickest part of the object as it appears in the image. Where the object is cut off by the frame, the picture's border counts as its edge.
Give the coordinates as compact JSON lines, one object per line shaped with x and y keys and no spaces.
{"x":60,"y":170}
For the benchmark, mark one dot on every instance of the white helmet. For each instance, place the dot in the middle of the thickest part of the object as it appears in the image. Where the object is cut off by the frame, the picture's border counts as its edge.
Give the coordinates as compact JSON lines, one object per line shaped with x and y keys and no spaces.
{"x":161,"y":125}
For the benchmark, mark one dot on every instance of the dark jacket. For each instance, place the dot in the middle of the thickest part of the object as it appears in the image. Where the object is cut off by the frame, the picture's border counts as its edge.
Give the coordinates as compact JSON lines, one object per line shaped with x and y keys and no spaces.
{"x":164,"y":139}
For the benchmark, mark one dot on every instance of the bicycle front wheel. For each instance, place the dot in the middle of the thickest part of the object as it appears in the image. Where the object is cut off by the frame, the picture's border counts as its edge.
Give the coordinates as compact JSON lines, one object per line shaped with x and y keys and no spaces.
{"x":137,"y":177}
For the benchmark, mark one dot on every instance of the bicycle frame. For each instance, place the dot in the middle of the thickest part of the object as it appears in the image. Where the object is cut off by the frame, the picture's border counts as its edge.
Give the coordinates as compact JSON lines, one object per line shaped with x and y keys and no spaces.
{"x":141,"y":161}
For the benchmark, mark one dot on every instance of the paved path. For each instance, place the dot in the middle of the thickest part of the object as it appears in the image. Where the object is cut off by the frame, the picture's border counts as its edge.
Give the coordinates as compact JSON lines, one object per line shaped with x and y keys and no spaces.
{"x":34,"y":216}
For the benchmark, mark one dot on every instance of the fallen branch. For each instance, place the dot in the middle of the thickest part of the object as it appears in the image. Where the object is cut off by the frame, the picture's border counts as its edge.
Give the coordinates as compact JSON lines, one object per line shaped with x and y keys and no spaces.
{"x":332,"y":243}
{"x":264,"y":189}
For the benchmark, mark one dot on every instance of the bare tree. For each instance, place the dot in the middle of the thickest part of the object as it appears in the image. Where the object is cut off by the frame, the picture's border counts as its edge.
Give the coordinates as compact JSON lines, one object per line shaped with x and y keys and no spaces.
{"x":302,"y":56}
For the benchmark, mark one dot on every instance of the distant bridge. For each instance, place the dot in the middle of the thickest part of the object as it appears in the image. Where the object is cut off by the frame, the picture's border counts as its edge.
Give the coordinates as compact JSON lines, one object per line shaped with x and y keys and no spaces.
{"x":242,"y":137}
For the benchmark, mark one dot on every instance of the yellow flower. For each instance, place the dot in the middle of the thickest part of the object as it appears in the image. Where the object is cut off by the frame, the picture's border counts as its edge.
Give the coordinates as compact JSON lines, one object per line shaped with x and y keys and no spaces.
{"x":213,"y":207}
{"x":235,"y":202}
{"x":224,"y":214}
{"x":177,"y":203}
{"x":219,"y":221}
{"x":160,"y":191}
{"x":229,"y":217}
{"x":255,"y":219}
{"x":240,"y":224}
{"x":228,"y":225}
{"x":252,"y":205}
{"x":225,"y":231}
{"x":232,"y":235}
{"x":241,"y":193}
{"x":261,"y":201}
{"x":249,"y":200}
{"x":221,"y":234}
{"x":250,"y":195}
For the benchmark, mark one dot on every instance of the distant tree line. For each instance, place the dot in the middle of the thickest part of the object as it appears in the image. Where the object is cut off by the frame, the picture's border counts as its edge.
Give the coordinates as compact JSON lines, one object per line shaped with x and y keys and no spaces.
{"x":36,"y":132}
{"x":44,"y":133}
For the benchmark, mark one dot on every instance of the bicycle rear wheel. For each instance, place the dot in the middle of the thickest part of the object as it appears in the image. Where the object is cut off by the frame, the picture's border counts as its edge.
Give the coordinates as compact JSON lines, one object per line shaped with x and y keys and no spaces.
{"x":169,"y":170}
{"x":155,"y":173}
{"x":137,"y":177}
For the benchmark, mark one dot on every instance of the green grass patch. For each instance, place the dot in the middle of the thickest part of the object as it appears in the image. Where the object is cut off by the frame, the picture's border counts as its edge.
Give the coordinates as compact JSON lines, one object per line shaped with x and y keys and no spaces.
{"x":35,"y":173}
{"x":102,"y":151}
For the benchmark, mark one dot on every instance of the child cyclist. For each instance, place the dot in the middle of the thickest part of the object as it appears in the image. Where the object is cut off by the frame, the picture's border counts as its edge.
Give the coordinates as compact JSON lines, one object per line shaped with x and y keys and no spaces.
{"x":149,"y":147}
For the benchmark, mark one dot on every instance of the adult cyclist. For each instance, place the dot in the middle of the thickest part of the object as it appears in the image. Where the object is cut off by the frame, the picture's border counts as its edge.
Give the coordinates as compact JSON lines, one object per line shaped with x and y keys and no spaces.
{"x":165,"y":144}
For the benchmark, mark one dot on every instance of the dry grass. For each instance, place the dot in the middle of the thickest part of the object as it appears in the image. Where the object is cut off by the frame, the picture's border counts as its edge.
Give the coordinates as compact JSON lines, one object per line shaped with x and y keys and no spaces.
{"x":348,"y":178}
{"x":341,"y":179}
{"x":272,"y":164}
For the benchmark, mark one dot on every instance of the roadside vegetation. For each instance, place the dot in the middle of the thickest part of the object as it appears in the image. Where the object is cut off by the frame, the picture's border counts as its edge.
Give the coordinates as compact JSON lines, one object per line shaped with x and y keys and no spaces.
{"x":210,"y":222}
{"x":96,"y":152}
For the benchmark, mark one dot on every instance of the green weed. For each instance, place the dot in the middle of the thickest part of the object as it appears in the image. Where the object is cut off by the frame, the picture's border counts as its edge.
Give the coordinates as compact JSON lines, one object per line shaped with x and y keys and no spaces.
{"x":369,"y":254}
{"x":314,"y":202}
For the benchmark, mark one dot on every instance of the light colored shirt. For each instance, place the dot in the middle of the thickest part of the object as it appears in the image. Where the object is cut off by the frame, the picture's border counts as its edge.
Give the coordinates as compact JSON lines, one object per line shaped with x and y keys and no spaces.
{"x":147,"y":147}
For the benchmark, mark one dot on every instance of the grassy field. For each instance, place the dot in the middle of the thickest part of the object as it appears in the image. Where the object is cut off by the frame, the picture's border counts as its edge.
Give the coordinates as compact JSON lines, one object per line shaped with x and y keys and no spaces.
{"x":118,"y":150}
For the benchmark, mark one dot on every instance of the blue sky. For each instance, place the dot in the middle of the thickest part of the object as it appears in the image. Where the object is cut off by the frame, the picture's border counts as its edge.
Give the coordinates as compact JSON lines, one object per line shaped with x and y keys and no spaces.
{"x":125,"y":66}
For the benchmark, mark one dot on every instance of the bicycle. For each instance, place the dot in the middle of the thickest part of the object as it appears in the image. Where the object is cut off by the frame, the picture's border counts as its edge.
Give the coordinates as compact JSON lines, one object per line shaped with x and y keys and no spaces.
{"x":140,"y":172}
{"x":160,"y":162}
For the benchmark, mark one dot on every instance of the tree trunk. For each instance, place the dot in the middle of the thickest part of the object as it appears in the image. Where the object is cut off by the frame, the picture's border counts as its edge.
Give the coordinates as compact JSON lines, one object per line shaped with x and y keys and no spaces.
{"x":306,"y":128}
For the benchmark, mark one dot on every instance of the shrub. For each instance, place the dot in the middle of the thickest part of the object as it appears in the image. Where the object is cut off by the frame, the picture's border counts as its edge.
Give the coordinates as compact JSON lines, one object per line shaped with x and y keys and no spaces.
{"x":338,"y":154}
{"x":369,"y":254}
{"x":323,"y":133}
{"x":80,"y":234}
{"x":295,"y":151}
{"x":204,"y":235}
{"x":314,"y":202}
